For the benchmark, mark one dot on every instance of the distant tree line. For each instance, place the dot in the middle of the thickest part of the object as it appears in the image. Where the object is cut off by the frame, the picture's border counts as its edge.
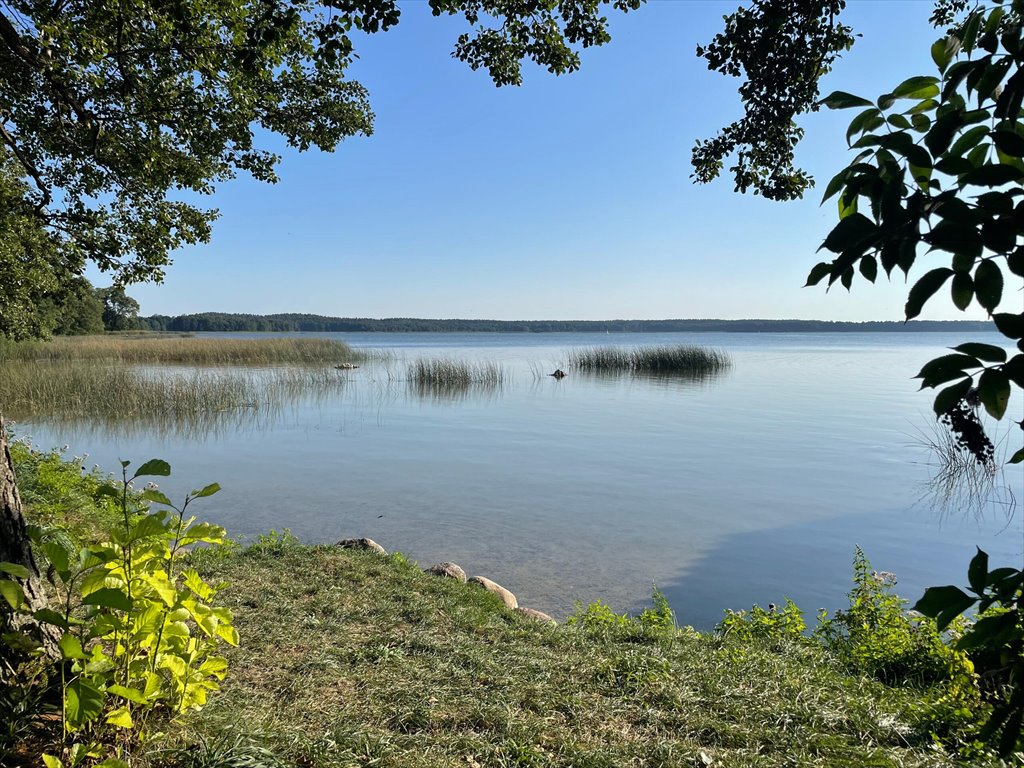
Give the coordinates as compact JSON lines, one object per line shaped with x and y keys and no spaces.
{"x":220,"y":321}
{"x":72,"y":308}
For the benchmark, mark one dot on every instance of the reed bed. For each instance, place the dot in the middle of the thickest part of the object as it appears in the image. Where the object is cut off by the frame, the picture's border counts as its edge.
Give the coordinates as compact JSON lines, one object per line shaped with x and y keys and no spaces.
{"x":446,"y":379}
{"x":455,"y":373}
{"x":76,"y":390}
{"x":174,"y":350}
{"x":662,"y":359}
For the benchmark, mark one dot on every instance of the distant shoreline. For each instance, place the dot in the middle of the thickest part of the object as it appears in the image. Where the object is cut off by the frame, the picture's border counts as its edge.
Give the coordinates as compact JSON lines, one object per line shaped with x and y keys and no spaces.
{"x":298,"y":323}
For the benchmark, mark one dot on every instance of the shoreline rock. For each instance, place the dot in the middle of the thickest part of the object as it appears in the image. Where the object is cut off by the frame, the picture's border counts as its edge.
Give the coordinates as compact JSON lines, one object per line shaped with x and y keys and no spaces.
{"x":447,"y":570}
{"x":494,"y":588}
{"x":364,"y":544}
{"x":533,"y":613}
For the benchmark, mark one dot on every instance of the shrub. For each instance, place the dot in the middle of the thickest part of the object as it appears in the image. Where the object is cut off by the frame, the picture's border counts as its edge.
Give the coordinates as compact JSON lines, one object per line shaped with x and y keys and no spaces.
{"x":138,"y":632}
{"x":767,"y":624}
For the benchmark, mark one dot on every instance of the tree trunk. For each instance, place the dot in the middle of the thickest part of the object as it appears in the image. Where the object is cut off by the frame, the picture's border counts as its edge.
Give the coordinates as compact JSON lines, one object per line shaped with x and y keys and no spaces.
{"x":16,"y":548}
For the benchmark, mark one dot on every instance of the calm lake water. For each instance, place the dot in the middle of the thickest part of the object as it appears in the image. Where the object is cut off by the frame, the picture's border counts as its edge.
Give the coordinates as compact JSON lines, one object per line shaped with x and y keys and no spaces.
{"x":727,"y":492}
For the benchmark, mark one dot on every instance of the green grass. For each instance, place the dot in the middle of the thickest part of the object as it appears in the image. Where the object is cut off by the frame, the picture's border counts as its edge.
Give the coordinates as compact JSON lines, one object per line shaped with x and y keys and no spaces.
{"x":662,"y":359}
{"x":176,"y":350}
{"x":109,"y":393}
{"x":353,"y":659}
{"x":443,"y":377}
{"x":58,"y":491}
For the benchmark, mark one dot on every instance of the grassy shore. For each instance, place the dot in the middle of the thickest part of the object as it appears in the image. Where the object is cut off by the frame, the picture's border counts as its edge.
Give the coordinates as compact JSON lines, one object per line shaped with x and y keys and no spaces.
{"x":354,"y":659}
{"x":661,"y":359}
{"x":351,"y":658}
{"x":175,"y":350}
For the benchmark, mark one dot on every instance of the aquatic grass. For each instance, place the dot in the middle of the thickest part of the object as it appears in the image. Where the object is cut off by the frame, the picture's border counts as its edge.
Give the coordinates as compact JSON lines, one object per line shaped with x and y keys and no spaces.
{"x":94,"y":390}
{"x":175,"y":350}
{"x":658,"y":359}
{"x":350,"y":658}
{"x":445,"y":378}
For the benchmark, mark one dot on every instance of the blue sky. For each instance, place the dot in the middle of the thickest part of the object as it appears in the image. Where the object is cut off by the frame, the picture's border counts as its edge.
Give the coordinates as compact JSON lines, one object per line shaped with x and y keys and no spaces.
{"x":567,"y":198}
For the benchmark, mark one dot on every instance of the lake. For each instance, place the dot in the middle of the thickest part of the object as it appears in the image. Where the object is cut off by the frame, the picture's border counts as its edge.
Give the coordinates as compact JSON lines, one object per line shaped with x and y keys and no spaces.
{"x":725,"y":492}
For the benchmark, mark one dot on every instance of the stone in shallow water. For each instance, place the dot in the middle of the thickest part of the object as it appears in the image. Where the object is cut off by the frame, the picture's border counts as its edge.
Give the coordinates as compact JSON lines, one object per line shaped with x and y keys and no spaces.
{"x":533,"y":613}
{"x":363,"y":543}
{"x":448,"y":570}
{"x":506,"y":597}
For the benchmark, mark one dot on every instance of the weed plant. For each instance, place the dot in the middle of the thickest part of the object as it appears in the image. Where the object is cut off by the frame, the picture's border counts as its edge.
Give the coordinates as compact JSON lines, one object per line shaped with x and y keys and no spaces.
{"x":72,"y":390}
{"x":173,"y":350}
{"x":678,"y":359}
{"x":443,"y":378}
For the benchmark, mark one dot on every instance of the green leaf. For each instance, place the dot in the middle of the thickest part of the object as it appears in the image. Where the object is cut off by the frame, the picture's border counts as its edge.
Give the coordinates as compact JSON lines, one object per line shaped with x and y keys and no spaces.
{"x":977,"y":572}
{"x":818,"y":272}
{"x":70,"y":647}
{"x":50,"y":616}
{"x":943,"y":51}
{"x":52,"y":762}
{"x":1017,"y":458}
{"x":15,"y":570}
{"x":951,"y":395}
{"x":994,"y":389}
{"x":1009,"y":142}
{"x":120,"y":718}
{"x":844,"y":100}
{"x":924,"y":289}
{"x":987,"y":352}
{"x":108,"y":598}
{"x":921,"y":87}
{"x":988,"y":284}
{"x":991,"y":175}
{"x":962,"y":290}
{"x":209,"y":490}
{"x":129,"y":694}
{"x":945,"y":368}
{"x":852,"y":234}
{"x":1011,"y":326}
{"x":12,"y":593}
{"x":944,"y":604}
{"x":153,"y":468}
{"x":151,"y":494}
{"x":59,"y":558}
{"x":869,"y":268}
{"x":83,"y":702}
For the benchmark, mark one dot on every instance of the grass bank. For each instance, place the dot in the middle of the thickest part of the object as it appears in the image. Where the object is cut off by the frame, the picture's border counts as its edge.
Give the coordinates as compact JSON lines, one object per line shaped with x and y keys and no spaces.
{"x":174,"y":350}
{"x":353,"y":659}
{"x":350,"y":658}
{"x":661,"y":359}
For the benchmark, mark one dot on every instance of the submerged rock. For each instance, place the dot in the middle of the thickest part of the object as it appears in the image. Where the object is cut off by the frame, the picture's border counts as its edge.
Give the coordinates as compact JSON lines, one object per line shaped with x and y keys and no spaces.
{"x":448,"y":570}
{"x":363,"y":543}
{"x":533,"y":613}
{"x":506,"y":597}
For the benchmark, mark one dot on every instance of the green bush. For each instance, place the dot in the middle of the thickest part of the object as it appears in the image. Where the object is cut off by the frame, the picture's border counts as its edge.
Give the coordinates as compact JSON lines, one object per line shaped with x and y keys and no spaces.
{"x":139,"y":632}
{"x":876,"y":636}
{"x":766,"y":624}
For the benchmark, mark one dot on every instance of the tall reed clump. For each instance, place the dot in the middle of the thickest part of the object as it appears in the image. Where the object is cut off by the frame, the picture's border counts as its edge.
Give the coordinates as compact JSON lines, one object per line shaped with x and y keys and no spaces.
{"x":443,"y":374}
{"x":74,"y":390}
{"x":659,"y":359}
{"x":161,"y":350}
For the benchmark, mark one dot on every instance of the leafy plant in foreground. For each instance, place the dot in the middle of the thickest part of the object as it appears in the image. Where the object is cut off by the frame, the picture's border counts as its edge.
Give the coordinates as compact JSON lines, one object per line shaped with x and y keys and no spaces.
{"x":139,"y":632}
{"x":997,"y":636}
{"x":940,"y":171}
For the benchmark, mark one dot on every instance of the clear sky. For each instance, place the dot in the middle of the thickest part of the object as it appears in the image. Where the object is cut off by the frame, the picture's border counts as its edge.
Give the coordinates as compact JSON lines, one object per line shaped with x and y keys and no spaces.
{"x":566,"y":198}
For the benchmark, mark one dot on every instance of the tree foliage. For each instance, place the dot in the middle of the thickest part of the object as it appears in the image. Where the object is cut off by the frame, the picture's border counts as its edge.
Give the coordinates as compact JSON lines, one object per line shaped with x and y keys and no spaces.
{"x":781,"y":48}
{"x":112,"y":111}
{"x":938,"y":178}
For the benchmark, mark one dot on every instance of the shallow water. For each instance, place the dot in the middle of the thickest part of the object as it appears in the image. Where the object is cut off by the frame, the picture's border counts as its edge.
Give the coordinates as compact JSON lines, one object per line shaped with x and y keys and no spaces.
{"x":723,"y":492}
